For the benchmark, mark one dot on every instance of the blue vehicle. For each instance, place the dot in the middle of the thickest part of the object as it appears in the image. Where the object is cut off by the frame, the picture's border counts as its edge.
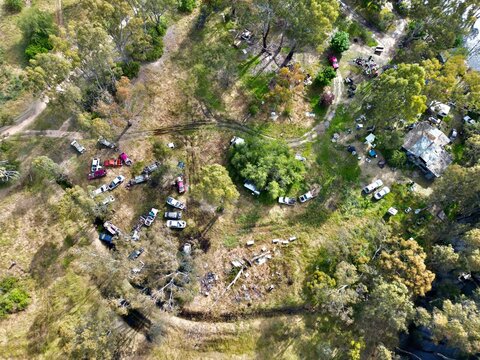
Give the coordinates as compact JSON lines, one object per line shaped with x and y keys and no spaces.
{"x":106,"y":238}
{"x":372,"y":153}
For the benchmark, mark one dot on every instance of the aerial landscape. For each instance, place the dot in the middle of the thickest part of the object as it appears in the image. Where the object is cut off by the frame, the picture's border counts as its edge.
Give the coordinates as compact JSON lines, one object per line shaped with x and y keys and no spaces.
{"x":243,"y":179}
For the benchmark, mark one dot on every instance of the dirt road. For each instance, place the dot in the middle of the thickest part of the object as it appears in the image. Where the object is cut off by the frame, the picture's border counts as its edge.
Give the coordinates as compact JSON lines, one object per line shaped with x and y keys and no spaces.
{"x":25,"y":119}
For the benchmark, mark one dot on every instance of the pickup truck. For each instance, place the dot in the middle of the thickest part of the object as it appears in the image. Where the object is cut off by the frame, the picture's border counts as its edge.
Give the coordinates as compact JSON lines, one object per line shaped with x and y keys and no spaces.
{"x":152,"y":215}
{"x":135,"y":254}
{"x":150,"y":168}
{"x":138,"y":180}
{"x":100,"y":190}
{"x":180,"y":184}
{"x":78,"y":147}
{"x":286,"y":200}
{"x":305,"y":197}
{"x":116,"y":182}
{"x":97,"y":174}
{"x":126,"y":160}
{"x":95,"y":165}
{"x":112,"y":229}
{"x":112,"y":163}
{"x":106,"y":143}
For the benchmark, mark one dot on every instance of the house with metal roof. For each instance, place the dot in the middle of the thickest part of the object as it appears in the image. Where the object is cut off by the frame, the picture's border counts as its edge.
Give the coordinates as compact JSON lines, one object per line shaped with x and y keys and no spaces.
{"x":425,"y":147}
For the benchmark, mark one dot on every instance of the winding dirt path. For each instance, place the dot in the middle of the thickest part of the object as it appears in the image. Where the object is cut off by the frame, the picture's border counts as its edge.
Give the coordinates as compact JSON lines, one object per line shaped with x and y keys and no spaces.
{"x":25,"y":119}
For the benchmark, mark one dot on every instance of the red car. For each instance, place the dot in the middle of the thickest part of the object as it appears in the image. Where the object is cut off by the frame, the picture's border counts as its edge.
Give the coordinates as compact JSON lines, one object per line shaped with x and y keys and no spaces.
{"x":180,"y":185}
{"x":112,"y":163}
{"x":334,"y":62}
{"x":97,"y":174}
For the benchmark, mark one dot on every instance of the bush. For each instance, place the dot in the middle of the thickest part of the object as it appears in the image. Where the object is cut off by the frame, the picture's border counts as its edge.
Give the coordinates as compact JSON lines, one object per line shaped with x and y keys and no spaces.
{"x":130,"y":69}
{"x":327,"y":99}
{"x":160,"y":150}
{"x":340,"y":41}
{"x":325,"y":76}
{"x":187,"y":5}
{"x":14,"y":5}
{"x":13,"y":298}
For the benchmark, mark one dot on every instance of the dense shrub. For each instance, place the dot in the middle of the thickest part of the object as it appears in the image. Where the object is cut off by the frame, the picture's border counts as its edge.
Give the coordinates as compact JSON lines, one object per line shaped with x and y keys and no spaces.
{"x":187,"y":5}
{"x":14,"y":5}
{"x":340,"y":41}
{"x":36,"y":27}
{"x":130,"y":69}
{"x":13,"y":297}
{"x":325,"y":76}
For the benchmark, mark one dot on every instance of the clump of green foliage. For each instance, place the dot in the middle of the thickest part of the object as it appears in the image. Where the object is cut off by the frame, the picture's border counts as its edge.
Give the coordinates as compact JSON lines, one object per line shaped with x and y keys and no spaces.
{"x":36,"y":27}
{"x":340,"y":41}
{"x":14,"y":6}
{"x":269,"y":164}
{"x":13,"y":297}
{"x":325,"y":76}
{"x":187,"y":6}
{"x":130,"y":69}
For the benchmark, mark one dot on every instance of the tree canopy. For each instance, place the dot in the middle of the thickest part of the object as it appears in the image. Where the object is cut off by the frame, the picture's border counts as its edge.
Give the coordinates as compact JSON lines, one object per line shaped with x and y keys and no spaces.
{"x":403,"y":87}
{"x":271,"y":165}
{"x":215,"y":186}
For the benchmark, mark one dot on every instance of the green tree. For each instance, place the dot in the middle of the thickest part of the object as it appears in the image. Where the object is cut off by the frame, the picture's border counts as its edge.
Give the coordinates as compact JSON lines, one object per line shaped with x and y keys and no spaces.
{"x":265,"y":162}
{"x":404,"y":261}
{"x":444,"y":258}
{"x":387,"y":312}
{"x":472,"y":149}
{"x":287,"y":82}
{"x":463,"y":198}
{"x":398,"y":158}
{"x":340,"y":41}
{"x":36,"y":27}
{"x":14,"y":5}
{"x":215,"y":186}
{"x":403,"y":88}
{"x":47,"y":71}
{"x":44,"y":168}
{"x":459,"y":323}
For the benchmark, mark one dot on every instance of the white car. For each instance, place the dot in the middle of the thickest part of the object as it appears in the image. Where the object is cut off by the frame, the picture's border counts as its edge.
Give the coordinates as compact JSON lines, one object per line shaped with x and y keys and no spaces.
{"x":175,"y":203}
{"x":116,"y":182}
{"x":305,"y":197}
{"x":468,"y":120}
{"x":95,"y":165}
{"x":176,"y":224}
{"x":373,"y":186}
{"x":152,"y":215}
{"x":286,"y":200}
{"x":100,"y":190}
{"x":381,"y":194}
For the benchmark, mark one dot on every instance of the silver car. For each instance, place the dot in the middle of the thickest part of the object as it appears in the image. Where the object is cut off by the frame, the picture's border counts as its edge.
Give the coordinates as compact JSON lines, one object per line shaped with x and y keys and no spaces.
{"x":176,"y":224}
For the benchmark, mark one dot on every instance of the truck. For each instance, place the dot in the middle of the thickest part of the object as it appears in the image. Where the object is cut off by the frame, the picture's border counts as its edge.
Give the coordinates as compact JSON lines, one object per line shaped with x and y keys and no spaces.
{"x":113,"y":163}
{"x":138,"y":180}
{"x":112,"y":229}
{"x":152,"y":215}
{"x":150,"y":168}
{"x":106,"y":143}
{"x":126,"y":160}
{"x":81,"y":149}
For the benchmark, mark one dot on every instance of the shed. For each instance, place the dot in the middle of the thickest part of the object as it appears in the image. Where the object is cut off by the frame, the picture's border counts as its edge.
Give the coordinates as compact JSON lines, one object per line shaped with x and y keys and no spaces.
{"x":370,"y":139}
